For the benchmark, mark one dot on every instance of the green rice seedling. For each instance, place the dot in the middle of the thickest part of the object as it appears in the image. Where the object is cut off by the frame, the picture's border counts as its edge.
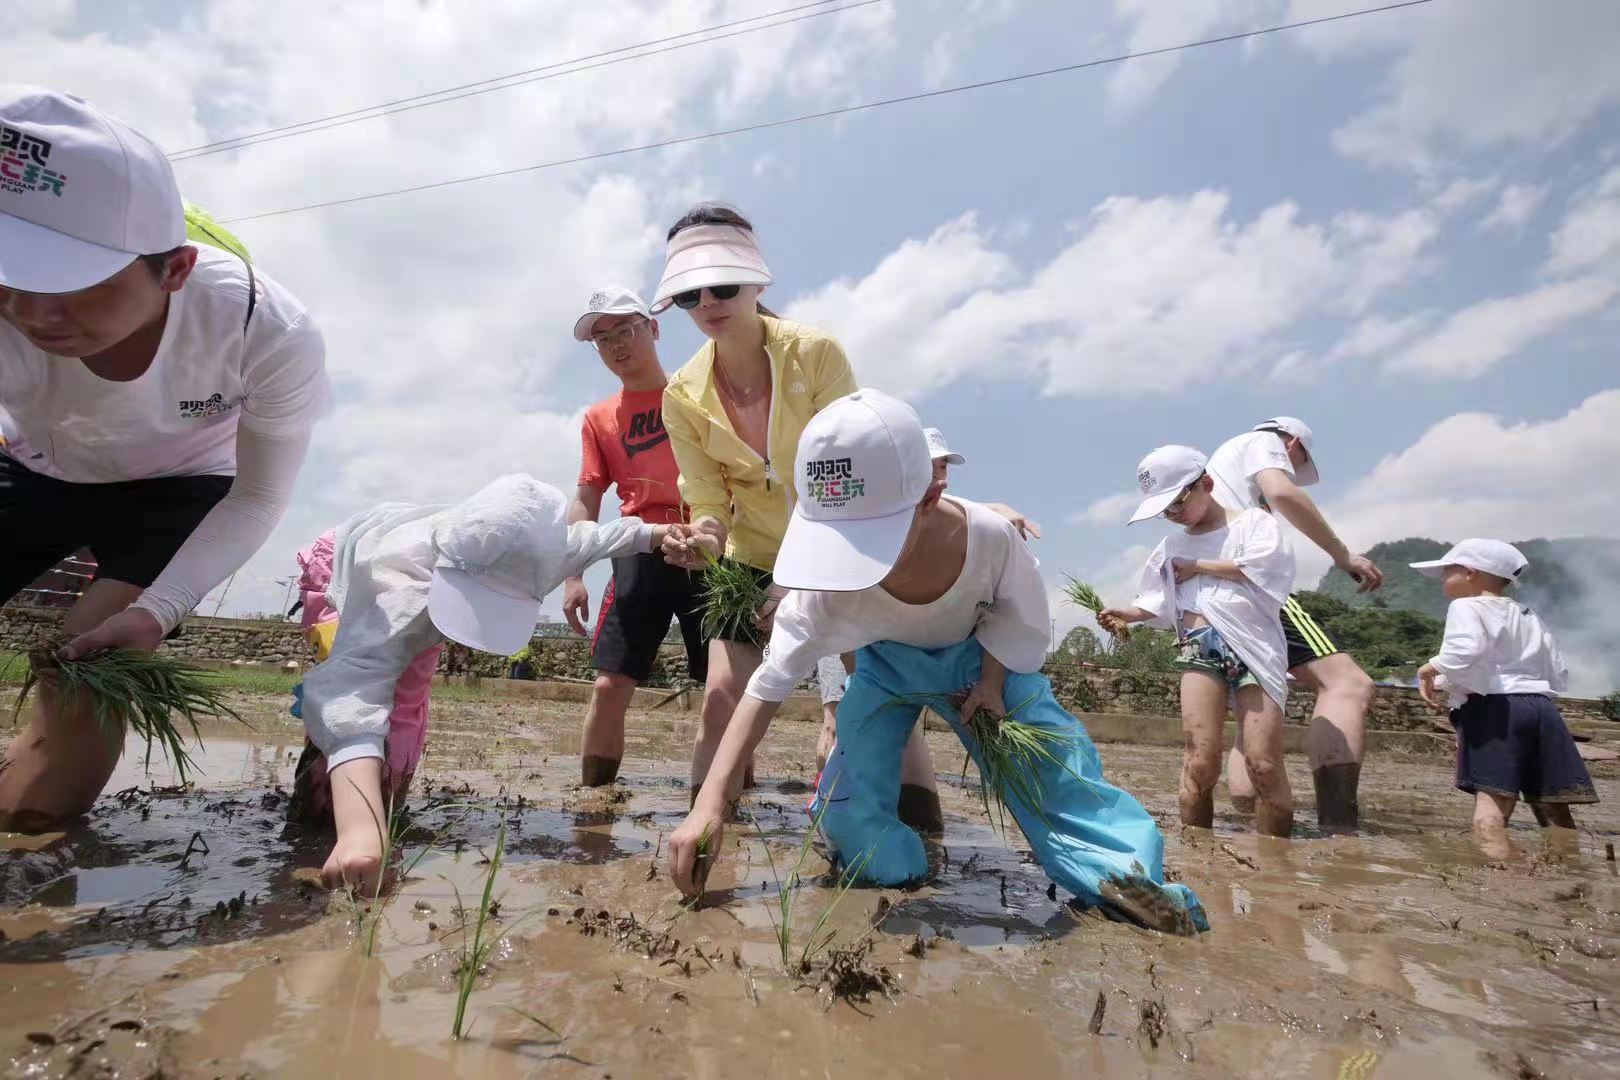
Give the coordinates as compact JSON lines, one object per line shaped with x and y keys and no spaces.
{"x":1083,"y":595}
{"x":477,"y":949}
{"x":787,"y":896}
{"x":388,"y":837}
{"x":732,"y":597}
{"x":146,"y":690}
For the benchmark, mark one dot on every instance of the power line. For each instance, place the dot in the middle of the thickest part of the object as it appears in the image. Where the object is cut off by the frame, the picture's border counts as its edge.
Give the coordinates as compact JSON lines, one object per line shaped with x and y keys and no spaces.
{"x":825,"y":114}
{"x":513,"y":79}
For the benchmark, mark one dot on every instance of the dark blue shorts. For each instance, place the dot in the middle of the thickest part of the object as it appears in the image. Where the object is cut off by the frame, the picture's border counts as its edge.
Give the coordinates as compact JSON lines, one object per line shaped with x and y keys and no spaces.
{"x":1516,"y":745}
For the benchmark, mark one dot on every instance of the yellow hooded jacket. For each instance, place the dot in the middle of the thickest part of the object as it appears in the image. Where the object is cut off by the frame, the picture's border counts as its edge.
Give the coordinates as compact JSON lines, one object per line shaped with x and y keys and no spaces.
{"x":722,"y":477}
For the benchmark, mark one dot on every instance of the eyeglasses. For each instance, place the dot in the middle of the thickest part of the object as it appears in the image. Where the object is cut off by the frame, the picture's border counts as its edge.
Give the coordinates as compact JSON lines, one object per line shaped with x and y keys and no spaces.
{"x":686,"y":301}
{"x":1181,"y":500}
{"x":618,"y":336}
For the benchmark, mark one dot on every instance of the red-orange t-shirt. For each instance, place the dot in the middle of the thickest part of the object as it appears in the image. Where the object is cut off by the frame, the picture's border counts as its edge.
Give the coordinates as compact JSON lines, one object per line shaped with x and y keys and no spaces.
{"x":625,"y":445}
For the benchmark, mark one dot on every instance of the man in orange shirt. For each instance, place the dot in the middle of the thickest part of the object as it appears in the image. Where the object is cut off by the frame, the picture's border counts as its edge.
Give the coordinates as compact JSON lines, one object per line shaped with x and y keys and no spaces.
{"x":624,"y":445}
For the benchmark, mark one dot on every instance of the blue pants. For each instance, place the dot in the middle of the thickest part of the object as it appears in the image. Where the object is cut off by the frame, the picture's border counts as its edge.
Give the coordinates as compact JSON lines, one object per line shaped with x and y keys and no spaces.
{"x":1086,"y":832}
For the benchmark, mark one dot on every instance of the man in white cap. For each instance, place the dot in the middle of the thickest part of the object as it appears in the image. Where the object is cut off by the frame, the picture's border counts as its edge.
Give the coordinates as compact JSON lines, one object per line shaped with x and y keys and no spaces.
{"x":624,"y":444}
{"x":1269,"y":467}
{"x":935,"y":596}
{"x":157,"y":400}
{"x":405,"y":578}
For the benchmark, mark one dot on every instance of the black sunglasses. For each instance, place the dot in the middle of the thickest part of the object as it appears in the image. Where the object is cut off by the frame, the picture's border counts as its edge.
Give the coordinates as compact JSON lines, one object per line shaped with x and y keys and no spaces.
{"x":686,"y":301}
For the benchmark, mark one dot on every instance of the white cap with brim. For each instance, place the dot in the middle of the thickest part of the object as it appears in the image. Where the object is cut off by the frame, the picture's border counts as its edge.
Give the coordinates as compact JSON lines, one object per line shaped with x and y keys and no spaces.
{"x":613,"y":300}
{"x":496,"y":556}
{"x":1162,"y":475}
{"x":1487,"y":556}
{"x":86,"y":196}
{"x":706,"y":255}
{"x":1292,"y":426}
{"x":940,"y":450}
{"x":862,"y":470}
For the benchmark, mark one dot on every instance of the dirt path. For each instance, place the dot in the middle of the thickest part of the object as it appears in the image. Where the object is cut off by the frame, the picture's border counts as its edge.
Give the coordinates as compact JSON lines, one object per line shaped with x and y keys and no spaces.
{"x":1399,"y":953}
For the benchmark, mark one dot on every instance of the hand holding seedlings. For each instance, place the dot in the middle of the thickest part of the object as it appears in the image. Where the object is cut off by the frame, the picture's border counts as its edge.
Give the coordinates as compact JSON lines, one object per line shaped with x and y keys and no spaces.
{"x":692,"y":850}
{"x":131,"y":629}
{"x":1111,"y":620}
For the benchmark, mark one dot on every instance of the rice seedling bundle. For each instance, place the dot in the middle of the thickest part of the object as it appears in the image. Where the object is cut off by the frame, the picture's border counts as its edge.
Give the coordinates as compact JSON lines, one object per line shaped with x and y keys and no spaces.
{"x":1083,"y":595}
{"x":732,"y":597}
{"x":146,"y":690}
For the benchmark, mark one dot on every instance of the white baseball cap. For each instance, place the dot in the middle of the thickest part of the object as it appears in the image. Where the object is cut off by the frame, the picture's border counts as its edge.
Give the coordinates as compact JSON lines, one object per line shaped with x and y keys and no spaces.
{"x":496,"y":556}
{"x":939,"y":450}
{"x":613,"y":300}
{"x":81,"y":194}
{"x":1489,"y":556}
{"x":1162,"y":475}
{"x":1297,"y":428}
{"x":862,"y":468}
{"x":704,"y":255}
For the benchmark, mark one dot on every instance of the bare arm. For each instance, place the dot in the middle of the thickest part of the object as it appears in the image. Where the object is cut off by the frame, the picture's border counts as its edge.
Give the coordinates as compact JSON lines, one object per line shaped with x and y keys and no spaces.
{"x":576,"y":604}
{"x":704,"y":825}
{"x":1299,"y":510}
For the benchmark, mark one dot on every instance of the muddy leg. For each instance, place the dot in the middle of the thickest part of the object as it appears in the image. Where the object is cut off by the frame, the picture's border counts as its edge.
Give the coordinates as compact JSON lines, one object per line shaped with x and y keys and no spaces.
{"x":1491,"y":814}
{"x":1203,"y":720}
{"x":602,"y":741}
{"x":919,"y":792}
{"x":1553,"y":815}
{"x":1262,"y":721}
{"x":1237,"y":777}
{"x":57,"y":765}
{"x":1338,"y":737}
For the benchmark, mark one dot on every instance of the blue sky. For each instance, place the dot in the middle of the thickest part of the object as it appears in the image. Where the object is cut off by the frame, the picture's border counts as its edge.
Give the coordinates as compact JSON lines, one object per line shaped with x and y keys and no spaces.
{"x":1404,"y":228}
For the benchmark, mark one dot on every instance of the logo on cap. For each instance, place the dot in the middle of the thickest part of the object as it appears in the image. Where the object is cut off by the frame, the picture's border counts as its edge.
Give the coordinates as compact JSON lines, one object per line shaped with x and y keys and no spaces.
{"x":1145,"y":480}
{"x":22,"y":163}
{"x":831,"y":482}
{"x":598,"y":300}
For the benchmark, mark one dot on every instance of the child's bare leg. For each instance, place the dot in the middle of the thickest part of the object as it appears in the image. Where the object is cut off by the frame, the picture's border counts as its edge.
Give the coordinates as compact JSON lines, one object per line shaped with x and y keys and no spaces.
{"x":1262,"y":722}
{"x":1203,"y":721}
{"x":356,"y":860}
{"x":1237,"y":777}
{"x":919,"y":791}
{"x":602,"y":742}
{"x":1491,"y":814}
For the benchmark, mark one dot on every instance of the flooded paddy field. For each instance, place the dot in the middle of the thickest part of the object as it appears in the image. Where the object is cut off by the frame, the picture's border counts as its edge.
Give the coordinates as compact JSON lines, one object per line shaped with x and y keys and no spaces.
{"x":176,"y":933}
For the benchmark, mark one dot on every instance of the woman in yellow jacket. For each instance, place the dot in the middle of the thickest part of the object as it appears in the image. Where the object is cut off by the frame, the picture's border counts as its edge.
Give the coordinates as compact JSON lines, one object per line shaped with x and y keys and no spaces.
{"x":734,"y":414}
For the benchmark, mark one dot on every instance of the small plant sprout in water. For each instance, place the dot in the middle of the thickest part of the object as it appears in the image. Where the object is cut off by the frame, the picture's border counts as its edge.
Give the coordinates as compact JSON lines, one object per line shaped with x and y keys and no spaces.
{"x":788,"y":895}
{"x":390,"y":836}
{"x":480,"y":943}
{"x":145,"y":690}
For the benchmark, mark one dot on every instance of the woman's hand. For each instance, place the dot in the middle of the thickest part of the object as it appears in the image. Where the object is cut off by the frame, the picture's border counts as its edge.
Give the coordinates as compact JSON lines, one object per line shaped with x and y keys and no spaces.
{"x":689,"y":547}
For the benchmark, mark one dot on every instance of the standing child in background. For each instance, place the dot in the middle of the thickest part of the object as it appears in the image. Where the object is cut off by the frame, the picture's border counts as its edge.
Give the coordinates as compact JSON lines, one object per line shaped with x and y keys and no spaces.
{"x":1502,"y":670}
{"x":1220,"y":584}
{"x":407,"y":720}
{"x":405,"y":578}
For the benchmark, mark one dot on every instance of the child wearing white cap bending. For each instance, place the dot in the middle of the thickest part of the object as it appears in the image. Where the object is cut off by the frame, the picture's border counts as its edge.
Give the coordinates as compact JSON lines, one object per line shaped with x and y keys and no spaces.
{"x":1502,"y":670}
{"x":405,"y":578}
{"x":934,"y":596}
{"x":1219,"y":584}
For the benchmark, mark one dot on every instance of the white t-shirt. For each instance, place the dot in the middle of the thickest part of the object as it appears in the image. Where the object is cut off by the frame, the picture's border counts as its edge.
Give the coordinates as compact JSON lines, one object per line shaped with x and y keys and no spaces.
{"x":998,"y":598}
{"x":180,"y":417}
{"x":1236,"y":462}
{"x":1245,"y":613}
{"x":1495,"y":645}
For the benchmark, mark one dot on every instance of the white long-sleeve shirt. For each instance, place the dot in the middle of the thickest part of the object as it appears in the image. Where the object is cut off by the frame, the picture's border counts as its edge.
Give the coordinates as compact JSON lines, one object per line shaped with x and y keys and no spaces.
{"x":1495,"y":645}
{"x":382,"y":568}
{"x":998,"y":598}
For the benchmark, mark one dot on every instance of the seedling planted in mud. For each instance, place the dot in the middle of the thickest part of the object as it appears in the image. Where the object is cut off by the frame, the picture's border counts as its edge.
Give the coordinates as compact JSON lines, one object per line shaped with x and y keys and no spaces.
{"x":146,"y":690}
{"x":389,"y":838}
{"x":788,"y":895}
{"x":476,"y":950}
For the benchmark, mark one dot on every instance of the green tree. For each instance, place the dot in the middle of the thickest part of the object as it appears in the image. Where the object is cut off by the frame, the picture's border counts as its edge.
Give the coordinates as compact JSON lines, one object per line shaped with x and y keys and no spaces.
{"x":1079,"y":644}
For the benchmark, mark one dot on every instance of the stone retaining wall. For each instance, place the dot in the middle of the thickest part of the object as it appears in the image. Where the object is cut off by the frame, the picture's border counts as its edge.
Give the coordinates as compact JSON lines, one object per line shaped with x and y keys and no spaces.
{"x":1082,"y":688}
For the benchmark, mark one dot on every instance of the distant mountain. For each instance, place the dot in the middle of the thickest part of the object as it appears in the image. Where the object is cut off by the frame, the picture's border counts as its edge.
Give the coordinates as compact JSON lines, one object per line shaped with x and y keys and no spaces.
{"x":1574,"y":585}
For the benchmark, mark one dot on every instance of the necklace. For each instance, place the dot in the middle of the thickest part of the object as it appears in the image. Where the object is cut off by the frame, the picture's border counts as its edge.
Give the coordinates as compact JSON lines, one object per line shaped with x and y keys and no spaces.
{"x":738,"y":398}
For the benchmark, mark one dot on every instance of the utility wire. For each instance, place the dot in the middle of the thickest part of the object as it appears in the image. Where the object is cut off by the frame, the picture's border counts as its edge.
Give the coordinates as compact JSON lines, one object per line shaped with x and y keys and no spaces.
{"x":505,"y":82}
{"x":842,"y":111}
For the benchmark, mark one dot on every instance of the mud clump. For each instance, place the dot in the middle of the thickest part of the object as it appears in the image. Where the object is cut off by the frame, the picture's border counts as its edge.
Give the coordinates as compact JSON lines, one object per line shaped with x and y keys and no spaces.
{"x":116,"y":1042}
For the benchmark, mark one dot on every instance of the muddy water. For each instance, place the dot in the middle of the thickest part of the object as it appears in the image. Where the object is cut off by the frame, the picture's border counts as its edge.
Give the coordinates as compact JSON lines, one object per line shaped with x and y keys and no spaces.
{"x":171,"y":935}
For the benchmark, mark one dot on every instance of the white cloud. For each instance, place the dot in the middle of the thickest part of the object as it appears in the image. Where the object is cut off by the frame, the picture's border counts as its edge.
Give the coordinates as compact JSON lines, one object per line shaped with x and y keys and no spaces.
{"x":1156,"y":24}
{"x":1514,"y":208}
{"x":1108,"y":510}
{"x":444,"y":312}
{"x":1376,"y":335}
{"x":1589,"y":238}
{"x":1459,"y":193}
{"x":1478,"y":337}
{"x":1474,"y":474}
{"x":1151,"y":296}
